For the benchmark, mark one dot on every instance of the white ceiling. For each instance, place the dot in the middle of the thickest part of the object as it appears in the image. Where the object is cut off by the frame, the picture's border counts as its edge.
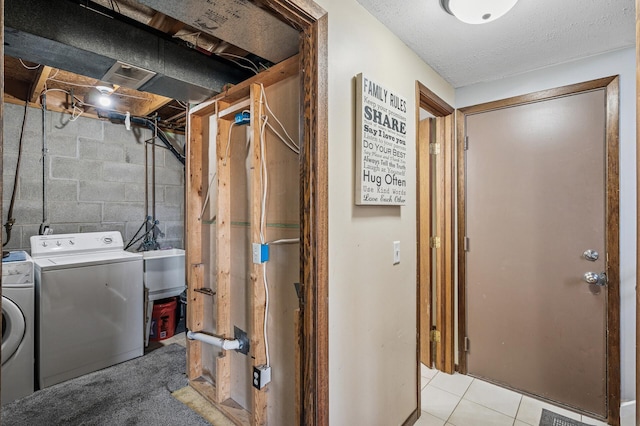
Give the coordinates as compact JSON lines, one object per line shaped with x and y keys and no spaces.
{"x":534,"y":34}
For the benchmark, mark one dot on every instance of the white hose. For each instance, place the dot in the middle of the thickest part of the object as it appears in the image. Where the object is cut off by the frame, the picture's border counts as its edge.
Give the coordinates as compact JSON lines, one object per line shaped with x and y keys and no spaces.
{"x":226,"y":344}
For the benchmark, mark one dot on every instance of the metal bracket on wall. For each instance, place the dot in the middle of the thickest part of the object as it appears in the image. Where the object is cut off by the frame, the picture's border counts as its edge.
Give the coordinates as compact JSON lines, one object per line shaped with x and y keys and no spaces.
{"x":206,"y":291}
{"x":435,"y":242}
{"x":241,"y":335}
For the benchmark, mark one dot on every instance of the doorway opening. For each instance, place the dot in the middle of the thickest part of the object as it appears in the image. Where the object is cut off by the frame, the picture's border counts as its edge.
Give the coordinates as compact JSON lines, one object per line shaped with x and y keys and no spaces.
{"x":435,"y":171}
{"x":518,"y":198}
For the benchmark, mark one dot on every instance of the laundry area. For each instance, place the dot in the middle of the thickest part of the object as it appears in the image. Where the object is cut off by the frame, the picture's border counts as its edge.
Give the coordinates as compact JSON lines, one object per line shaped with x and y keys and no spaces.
{"x":151,"y":219}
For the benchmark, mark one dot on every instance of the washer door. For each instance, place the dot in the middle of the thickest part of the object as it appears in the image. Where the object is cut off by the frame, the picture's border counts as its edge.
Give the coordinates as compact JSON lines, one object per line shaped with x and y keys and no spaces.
{"x":13,"y":328}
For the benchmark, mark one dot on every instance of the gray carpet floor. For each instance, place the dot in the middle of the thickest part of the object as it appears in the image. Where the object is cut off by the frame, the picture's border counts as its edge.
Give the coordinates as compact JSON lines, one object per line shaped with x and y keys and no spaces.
{"x":136,"y":392}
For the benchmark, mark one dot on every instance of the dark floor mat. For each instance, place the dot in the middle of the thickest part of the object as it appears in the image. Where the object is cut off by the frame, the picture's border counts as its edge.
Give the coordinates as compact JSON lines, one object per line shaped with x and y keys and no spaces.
{"x":550,"y":418}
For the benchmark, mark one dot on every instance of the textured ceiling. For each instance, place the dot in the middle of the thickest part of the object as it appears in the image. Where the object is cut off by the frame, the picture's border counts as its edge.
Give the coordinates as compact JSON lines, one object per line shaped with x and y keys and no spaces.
{"x":534,"y":34}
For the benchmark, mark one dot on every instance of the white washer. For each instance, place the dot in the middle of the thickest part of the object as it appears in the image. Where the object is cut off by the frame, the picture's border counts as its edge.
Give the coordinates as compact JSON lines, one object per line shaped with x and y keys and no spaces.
{"x":18,"y":326}
{"x":89,"y":299}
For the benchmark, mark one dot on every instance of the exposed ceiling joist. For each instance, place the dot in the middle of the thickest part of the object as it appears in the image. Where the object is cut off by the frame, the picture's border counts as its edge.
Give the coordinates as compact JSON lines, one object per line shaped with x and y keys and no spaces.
{"x":165,"y":23}
{"x":64,"y":35}
{"x":39,"y":83}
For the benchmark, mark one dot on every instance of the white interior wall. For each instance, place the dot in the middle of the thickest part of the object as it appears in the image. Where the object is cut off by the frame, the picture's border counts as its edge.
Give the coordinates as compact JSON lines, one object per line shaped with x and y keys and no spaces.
{"x":621,"y":62}
{"x":372,"y":303}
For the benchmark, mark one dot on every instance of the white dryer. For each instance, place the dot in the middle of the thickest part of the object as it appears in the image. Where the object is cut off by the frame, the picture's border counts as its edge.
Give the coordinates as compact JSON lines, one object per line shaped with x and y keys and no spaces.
{"x":18,"y":326}
{"x":89,"y":304}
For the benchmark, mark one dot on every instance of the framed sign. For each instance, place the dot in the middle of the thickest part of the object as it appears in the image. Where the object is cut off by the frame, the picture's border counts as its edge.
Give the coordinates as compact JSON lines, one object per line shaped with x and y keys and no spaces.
{"x":381,"y":144}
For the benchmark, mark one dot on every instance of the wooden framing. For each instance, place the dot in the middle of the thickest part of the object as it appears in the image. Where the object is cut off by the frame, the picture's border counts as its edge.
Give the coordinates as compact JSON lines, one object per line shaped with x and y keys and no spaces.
{"x":423,"y":251}
{"x":312,"y":357}
{"x":611,"y":84}
{"x":438,"y":194}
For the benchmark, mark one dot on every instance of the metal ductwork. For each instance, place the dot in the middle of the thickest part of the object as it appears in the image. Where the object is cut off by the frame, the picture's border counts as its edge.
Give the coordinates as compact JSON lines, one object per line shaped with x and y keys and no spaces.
{"x":239,"y":22}
{"x":64,"y":35}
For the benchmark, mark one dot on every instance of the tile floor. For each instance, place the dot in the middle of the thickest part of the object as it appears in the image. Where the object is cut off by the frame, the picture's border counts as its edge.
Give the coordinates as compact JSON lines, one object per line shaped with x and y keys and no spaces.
{"x":458,"y":400}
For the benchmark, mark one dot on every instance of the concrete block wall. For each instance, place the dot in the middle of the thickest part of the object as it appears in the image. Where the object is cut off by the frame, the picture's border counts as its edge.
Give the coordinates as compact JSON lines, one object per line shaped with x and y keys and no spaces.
{"x":94,"y":178}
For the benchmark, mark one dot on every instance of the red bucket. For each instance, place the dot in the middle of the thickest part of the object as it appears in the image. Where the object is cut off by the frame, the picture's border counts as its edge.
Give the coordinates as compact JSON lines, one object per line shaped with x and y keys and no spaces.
{"x":163,"y":319}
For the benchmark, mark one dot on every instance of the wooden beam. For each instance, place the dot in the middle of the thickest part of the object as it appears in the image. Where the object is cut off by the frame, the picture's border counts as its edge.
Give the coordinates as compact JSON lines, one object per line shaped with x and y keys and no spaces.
{"x":193,"y":243}
{"x":165,"y":23}
{"x":223,"y":250}
{"x":154,"y":105}
{"x":39,"y":83}
{"x":281,"y":71}
{"x":258,"y":349}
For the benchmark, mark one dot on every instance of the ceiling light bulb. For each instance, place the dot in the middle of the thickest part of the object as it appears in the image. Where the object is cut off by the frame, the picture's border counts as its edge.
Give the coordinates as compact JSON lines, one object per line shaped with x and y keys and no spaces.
{"x":104,"y":100}
{"x":478,"y":11}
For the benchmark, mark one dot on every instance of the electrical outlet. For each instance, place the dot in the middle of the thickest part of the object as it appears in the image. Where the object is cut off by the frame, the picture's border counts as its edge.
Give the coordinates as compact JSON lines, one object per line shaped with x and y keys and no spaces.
{"x":261,"y":376}
{"x":242,"y":118}
{"x":396,"y":252}
{"x":259,"y":253}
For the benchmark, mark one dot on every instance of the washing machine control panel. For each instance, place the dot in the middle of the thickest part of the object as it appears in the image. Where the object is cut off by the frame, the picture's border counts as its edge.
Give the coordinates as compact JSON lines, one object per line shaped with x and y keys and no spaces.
{"x":65,"y":244}
{"x":18,"y":272}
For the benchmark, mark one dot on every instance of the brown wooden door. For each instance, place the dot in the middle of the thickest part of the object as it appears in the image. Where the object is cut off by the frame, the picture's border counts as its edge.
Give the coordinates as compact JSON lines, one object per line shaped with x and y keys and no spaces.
{"x":536,"y":201}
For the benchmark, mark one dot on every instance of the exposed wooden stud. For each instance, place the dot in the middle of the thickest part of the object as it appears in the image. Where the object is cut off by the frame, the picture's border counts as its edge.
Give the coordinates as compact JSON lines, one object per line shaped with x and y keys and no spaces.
{"x":258,"y":353}
{"x":287,"y":68}
{"x":155,"y":104}
{"x":196,"y":300}
{"x":238,"y":415}
{"x":223,"y":224}
{"x":313,"y":23}
{"x":193,"y":243}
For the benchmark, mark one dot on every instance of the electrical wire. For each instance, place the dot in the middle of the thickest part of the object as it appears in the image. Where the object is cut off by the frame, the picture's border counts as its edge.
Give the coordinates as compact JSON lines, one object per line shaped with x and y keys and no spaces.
{"x":228,"y":56}
{"x":284,"y":241}
{"x":263,"y":95}
{"x":291,"y":147}
{"x":206,"y":198}
{"x":226,"y":151}
{"x":264,"y":184}
{"x":28,"y":67}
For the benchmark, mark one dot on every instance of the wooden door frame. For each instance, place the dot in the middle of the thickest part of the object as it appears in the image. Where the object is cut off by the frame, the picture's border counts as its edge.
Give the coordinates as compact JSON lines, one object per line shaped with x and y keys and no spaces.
{"x":312,"y":22}
{"x":312,"y":377}
{"x":611,"y":86}
{"x":432,"y":103}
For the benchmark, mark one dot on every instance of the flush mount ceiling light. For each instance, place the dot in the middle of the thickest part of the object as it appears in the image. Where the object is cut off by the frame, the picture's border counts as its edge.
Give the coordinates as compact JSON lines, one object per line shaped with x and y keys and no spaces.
{"x":477,"y":11}
{"x":105,"y":91}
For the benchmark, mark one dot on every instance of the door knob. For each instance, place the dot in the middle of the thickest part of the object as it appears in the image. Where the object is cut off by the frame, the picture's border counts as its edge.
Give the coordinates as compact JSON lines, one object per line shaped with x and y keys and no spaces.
{"x":596,"y":279}
{"x":591,"y":255}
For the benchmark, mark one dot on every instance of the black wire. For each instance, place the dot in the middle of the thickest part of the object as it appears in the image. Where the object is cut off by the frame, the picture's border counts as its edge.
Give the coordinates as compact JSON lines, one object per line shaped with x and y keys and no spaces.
{"x":10,"y":219}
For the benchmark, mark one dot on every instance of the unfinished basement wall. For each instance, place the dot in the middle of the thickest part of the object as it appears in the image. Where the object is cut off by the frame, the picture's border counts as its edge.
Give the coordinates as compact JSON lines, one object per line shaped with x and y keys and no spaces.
{"x":228,"y":225}
{"x":94,"y":178}
{"x":372,"y":303}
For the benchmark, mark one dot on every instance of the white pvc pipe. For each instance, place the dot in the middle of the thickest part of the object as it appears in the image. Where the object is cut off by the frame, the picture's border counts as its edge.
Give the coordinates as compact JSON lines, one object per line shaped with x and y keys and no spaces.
{"x":226,"y":344}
